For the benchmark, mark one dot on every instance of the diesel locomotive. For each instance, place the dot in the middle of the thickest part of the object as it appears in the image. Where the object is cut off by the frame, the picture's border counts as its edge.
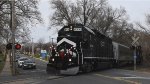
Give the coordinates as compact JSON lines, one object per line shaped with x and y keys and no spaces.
{"x":80,"y":48}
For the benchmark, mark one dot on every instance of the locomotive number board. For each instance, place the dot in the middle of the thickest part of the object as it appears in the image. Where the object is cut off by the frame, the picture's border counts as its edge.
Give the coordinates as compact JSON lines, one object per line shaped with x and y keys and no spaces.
{"x":74,"y":29}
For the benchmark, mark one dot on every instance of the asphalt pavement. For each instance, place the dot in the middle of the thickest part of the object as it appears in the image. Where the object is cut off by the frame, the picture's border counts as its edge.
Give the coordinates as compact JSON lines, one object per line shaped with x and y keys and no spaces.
{"x":110,"y":76}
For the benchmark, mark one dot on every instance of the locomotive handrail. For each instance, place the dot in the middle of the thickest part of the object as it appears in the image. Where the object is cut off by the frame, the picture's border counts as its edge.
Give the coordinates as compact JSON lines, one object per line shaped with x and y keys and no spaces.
{"x":78,"y":55}
{"x":81,"y":52}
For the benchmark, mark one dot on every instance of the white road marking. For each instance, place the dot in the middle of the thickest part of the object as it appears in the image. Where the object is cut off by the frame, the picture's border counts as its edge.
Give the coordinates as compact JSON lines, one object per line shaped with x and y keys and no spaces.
{"x":134,"y":77}
{"x":131,"y":75}
{"x":41,"y":70}
{"x":119,"y":78}
{"x":33,"y":71}
{"x":54,"y":77}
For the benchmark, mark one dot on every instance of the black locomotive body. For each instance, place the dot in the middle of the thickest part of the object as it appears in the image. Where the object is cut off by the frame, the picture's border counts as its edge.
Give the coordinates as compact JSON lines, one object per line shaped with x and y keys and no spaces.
{"x":84,"y":49}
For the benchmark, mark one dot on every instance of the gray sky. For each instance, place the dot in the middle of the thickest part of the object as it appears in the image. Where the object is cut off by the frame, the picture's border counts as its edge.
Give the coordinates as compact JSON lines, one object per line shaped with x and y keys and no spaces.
{"x":136,"y":9}
{"x":41,"y":30}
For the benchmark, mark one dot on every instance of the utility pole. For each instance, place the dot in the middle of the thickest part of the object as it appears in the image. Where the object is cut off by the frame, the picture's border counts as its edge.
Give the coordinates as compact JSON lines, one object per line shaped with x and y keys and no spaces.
{"x":29,"y":47}
{"x":50,"y":45}
{"x":52,"y":41}
{"x":32,"y":48}
{"x":84,"y":12}
{"x":13,"y":36}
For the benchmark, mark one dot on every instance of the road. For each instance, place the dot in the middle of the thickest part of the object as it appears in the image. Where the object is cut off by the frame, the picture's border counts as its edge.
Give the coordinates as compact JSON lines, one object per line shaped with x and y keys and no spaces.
{"x":111,"y":76}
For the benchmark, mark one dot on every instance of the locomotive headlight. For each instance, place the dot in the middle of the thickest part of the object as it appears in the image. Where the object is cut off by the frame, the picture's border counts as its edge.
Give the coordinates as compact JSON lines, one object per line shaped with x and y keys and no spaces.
{"x":53,"y":59}
{"x":71,"y":28}
{"x":70,"y":60}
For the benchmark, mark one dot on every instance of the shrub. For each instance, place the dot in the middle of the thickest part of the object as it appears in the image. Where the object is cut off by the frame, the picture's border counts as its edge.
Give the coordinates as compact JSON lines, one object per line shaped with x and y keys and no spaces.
{"x":37,"y":56}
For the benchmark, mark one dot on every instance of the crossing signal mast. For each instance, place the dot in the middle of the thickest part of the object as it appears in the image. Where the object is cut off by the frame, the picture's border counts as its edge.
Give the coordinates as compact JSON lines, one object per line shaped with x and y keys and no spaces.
{"x":11,"y":46}
{"x":135,"y":48}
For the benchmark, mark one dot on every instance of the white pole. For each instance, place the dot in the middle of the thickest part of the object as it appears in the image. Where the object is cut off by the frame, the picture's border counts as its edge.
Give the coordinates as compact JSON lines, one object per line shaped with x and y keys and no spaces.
{"x":135,"y":58}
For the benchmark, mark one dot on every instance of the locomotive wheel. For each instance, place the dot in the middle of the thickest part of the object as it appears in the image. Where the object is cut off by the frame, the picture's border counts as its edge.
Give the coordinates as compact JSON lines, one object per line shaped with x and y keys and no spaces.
{"x":111,"y":65}
{"x":48,"y":70}
{"x":89,"y":68}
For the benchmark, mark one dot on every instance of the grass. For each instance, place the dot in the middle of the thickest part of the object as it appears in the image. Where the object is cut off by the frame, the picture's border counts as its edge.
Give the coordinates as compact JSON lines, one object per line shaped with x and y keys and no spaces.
{"x":46,"y":58}
{"x":37,"y":55}
{"x":2,"y":62}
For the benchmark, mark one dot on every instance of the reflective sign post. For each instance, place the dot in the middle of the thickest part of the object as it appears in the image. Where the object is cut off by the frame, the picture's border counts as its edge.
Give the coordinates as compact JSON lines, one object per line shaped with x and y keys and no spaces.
{"x":135,"y":58}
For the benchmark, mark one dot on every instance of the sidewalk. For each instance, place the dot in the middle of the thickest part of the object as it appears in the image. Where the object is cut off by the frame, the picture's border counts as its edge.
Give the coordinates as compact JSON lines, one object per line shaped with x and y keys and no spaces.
{"x":6,"y":70}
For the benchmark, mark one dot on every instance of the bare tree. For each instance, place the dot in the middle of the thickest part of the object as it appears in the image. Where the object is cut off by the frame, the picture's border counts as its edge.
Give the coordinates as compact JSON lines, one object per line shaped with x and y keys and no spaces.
{"x":96,"y":14}
{"x":26,"y":13}
{"x":144,"y":37}
{"x":147,"y":24}
{"x":109,"y":17}
{"x":122,"y":32}
{"x":40,"y":43}
{"x":70,"y":12}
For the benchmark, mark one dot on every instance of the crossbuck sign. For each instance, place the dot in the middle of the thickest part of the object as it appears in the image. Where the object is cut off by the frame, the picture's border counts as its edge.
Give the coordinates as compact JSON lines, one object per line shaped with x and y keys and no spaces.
{"x":135,"y":40}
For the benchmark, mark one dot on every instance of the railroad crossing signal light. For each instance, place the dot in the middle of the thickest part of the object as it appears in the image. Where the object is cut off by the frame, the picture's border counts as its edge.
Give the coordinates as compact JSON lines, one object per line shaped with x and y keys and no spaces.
{"x":9,"y":46}
{"x":17,"y":46}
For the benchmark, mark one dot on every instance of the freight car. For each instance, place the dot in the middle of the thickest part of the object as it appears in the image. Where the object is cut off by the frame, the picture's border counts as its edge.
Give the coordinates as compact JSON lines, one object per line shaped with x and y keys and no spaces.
{"x":80,"y":48}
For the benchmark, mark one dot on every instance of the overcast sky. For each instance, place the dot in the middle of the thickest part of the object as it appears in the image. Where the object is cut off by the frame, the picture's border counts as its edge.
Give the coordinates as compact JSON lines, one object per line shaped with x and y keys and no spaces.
{"x":136,"y":9}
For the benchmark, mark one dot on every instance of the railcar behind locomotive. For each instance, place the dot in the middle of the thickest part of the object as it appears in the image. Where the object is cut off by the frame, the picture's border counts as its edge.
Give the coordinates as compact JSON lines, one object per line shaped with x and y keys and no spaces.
{"x":80,"y":48}
{"x":122,"y":54}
